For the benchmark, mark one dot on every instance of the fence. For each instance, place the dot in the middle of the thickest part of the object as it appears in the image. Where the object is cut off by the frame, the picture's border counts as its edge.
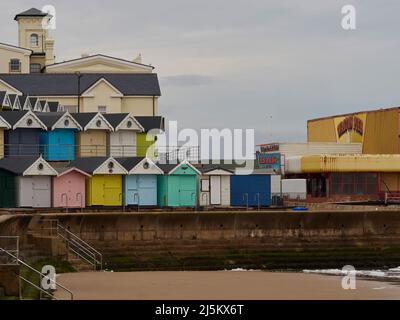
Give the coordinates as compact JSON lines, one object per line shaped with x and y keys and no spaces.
{"x":66,"y":152}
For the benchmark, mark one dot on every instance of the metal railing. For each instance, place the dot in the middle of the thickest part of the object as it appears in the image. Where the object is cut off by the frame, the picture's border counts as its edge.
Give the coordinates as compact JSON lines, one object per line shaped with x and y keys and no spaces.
{"x":75,"y":244}
{"x":9,"y":244}
{"x":66,"y":152}
{"x":41,"y":276}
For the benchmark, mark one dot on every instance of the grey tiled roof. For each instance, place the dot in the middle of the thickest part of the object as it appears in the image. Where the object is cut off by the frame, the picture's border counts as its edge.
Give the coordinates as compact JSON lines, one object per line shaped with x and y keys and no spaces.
{"x":53,"y":106}
{"x":149,"y":123}
{"x":129,"y":163}
{"x":12,"y":117}
{"x":2,"y":95}
{"x":115,"y":118}
{"x":84,"y":118}
{"x":32,"y":12}
{"x":132,"y":84}
{"x":49,"y":118}
{"x":88,"y":165}
{"x":16,"y":164}
{"x":12,"y":98}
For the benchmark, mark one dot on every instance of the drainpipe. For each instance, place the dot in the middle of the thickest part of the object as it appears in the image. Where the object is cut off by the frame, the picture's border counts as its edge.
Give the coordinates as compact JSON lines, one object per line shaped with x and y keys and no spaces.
{"x":79,"y":75}
{"x":154,"y":106}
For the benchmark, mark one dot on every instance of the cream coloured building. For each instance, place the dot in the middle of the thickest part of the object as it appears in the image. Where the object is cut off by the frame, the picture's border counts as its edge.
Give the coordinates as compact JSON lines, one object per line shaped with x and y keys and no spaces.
{"x":96,"y":83}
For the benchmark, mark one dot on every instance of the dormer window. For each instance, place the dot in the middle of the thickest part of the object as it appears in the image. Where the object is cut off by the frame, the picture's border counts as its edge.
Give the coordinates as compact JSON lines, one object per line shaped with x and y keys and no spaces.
{"x":34,"y":40}
{"x":15,"y":65}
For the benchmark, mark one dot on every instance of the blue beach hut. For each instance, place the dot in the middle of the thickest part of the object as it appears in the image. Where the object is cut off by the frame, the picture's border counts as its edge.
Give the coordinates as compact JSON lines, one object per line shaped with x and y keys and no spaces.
{"x":58,"y":142}
{"x":23,"y":138}
{"x":140,"y":184}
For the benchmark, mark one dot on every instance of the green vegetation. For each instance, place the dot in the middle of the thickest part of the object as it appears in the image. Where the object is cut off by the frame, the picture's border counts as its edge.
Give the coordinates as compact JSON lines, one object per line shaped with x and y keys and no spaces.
{"x":257,"y":259}
{"x":28,"y":291}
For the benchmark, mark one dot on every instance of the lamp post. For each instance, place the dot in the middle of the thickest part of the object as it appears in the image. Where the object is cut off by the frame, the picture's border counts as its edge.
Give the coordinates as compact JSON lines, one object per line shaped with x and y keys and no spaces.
{"x":79,"y":75}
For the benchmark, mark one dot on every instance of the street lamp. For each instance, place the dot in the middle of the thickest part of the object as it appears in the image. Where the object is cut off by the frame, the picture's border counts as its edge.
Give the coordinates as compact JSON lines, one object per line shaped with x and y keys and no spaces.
{"x":79,"y":75}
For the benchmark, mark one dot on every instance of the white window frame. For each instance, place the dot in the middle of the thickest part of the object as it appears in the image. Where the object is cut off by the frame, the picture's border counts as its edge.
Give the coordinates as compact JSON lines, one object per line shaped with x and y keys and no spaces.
{"x":100,"y":108}
{"x":31,"y":38}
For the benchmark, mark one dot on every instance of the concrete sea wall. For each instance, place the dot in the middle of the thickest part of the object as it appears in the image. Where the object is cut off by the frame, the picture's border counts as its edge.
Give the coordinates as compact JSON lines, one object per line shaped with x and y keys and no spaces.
{"x":215,"y":240}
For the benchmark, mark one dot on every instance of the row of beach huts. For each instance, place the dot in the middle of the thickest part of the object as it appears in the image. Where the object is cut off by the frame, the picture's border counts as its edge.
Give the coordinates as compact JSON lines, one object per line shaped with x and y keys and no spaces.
{"x":62,"y":136}
{"x":33,"y":182}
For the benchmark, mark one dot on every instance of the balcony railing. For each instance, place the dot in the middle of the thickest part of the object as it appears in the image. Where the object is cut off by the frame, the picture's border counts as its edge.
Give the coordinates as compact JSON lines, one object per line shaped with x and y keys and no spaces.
{"x":68,"y":152}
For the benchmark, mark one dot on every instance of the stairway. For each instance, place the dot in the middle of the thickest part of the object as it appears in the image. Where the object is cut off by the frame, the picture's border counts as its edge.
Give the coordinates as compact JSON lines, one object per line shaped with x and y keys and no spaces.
{"x":61,"y":242}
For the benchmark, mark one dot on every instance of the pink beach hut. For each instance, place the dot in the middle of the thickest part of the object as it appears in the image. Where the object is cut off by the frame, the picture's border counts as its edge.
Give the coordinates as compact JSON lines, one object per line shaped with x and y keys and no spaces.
{"x":69,"y":188}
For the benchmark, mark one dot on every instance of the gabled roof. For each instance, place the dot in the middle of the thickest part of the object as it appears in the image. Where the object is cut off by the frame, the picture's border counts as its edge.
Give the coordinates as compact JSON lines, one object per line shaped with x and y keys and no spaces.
{"x":136,"y":165}
{"x":92,"y":165}
{"x":149,"y":123}
{"x":116,"y":119}
{"x":53,"y":106}
{"x":26,"y":165}
{"x":32,"y":12}
{"x":15,"y":48}
{"x":3,"y":123}
{"x":52,"y":119}
{"x":65,"y":170}
{"x":85,"y":120}
{"x":209,"y":169}
{"x":98,"y":56}
{"x":61,"y":84}
{"x":170,"y":168}
{"x":12,"y":98}
{"x":14,"y":118}
{"x":24,"y":101}
{"x":4,"y":100}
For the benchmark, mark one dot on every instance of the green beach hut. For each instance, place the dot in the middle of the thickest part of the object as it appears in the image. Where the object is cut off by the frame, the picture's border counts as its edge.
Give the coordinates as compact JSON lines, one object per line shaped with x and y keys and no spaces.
{"x":178,"y":186}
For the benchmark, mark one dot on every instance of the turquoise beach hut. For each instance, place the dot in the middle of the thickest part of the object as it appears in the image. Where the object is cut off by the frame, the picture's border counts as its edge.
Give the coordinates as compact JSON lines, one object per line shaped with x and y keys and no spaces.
{"x":178,"y":186}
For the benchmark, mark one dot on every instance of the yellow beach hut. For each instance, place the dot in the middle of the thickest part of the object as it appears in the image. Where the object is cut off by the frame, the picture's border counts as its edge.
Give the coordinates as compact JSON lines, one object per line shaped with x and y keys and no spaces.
{"x":104,"y":186}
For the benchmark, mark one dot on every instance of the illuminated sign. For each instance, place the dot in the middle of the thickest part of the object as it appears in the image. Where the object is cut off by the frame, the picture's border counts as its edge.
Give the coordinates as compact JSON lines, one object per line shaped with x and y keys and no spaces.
{"x":350,"y":123}
{"x":269,"y":161}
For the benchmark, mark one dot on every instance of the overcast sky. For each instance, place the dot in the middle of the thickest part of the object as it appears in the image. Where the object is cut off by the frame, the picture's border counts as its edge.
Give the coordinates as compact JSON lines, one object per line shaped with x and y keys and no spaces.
{"x":267,"y":65}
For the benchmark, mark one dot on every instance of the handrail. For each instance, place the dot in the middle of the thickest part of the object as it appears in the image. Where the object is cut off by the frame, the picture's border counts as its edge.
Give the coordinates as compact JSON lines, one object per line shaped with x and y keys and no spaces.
{"x":82,"y":245}
{"x":75,"y":236}
{"x":38,"y":288}
{"x":38,"y":272}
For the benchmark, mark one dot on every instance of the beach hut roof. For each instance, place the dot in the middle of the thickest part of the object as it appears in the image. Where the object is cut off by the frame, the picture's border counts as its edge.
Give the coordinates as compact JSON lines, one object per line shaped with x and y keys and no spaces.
{"x":140,"y":165}
{"x":99,"y":165}
{"x":3,"y":123}
{"x":65,"y":170}
{"x":170,"y":168}
{"x":149,"y":123}
{"x":27,"y":166}
{"x":92,"y":120}
{"x":215,"y":169}
{"x":123,"y":121}
{"x":53,"y":106}
{"x":58,"y":120}
{"x":23,"y":119}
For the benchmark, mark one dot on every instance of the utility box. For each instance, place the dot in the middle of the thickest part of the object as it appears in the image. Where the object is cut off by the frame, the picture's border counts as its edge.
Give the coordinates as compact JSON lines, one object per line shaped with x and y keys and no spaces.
{"x":294,"y":189}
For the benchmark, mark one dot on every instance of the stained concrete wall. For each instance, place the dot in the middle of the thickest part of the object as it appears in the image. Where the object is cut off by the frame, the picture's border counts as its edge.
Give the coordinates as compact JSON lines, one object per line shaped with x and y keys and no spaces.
{"x":216,"y":225}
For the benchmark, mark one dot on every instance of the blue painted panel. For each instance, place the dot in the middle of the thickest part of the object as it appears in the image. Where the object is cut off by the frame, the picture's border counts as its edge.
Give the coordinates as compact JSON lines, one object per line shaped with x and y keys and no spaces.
{"x":251,"y":187}
{"x":24,"y":142}
{"x":142,"y":189}
{"x":58,"y":145}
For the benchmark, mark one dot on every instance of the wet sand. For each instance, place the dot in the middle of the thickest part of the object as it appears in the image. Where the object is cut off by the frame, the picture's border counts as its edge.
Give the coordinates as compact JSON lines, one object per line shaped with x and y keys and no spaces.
{"x":213,"y":285}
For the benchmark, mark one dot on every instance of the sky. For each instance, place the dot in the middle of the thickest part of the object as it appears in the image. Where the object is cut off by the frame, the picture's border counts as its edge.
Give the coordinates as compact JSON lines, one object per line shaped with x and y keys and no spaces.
{"x":265,"y":65}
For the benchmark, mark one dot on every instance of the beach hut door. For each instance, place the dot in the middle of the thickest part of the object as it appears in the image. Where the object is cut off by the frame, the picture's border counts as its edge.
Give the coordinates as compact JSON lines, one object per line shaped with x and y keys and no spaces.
{"x":186,"y":191}
{"x":215,"y":189}
{"x":41,"y":192}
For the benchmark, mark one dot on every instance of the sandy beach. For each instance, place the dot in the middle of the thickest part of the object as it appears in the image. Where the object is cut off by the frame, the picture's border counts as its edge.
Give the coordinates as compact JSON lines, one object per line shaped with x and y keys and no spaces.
{"x":213,"y":285}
